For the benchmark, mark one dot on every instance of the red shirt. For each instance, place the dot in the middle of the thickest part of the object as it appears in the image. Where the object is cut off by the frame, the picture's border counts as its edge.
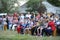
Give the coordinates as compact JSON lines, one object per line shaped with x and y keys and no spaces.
{"x":52,"y":25}
{"x":15,"y":15}
{"x":19,"y":29}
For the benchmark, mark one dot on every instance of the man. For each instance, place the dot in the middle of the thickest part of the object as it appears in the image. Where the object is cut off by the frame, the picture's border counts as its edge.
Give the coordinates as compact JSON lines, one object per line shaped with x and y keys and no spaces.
{"x":28,"y":15}
{"x":10,"y":19}
{"x":53,"y":27}
{"x":58,"y":26}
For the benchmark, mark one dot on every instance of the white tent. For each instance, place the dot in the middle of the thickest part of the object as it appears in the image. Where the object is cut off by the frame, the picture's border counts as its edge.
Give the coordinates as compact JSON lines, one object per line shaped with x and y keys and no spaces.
{"x":51,"y":8}
{"x":22,"y":2}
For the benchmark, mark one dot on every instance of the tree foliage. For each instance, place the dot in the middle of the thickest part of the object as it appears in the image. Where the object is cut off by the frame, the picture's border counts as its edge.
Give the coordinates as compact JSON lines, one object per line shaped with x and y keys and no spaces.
{"x":54,"y":2}
{"x":42,"y":9}
{"x":8,"y":6}
{"x":35,"y":5}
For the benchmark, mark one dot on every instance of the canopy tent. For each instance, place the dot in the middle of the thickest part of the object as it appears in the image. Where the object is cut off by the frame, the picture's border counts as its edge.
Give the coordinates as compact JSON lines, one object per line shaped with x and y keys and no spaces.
{"x":50,"y":8}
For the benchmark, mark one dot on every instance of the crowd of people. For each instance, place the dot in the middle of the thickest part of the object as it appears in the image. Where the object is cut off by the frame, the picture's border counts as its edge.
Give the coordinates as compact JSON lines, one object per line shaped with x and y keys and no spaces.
{"x":39,"y":24}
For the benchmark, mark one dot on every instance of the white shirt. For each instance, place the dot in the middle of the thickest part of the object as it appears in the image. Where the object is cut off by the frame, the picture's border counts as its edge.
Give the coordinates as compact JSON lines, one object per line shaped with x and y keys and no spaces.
{"x":4,"y":21}
{"x":31,"y":24}
{"x":28,"y":15}
{"x":22,"y":17}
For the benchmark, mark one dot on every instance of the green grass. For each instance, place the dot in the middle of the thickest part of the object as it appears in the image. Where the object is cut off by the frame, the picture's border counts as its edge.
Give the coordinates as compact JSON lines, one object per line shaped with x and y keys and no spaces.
{"x":12,"y":35}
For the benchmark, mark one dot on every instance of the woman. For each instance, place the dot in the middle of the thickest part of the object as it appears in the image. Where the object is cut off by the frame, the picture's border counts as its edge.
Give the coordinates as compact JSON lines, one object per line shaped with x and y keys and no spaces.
{"x":4,"y":23}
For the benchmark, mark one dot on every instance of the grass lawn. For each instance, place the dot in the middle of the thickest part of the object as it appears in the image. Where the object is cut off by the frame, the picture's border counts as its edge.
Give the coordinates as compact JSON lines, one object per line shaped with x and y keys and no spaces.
{"x":12,"y":35}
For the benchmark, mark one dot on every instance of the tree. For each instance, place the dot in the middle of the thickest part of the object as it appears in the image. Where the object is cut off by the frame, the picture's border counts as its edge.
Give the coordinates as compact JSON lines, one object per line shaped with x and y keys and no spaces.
{"x":4,"y":6}
{"x":8,"y":6}
{"x":35,"y":5}
{"x":42,"y":9}
{"x":54,"y":2}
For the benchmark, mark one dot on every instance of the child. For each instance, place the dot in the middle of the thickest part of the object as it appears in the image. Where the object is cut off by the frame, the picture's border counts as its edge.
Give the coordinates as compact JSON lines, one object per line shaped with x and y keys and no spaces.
{"x":19,"y":29}
{"x":13,"y":27}
{"x":4,"y":22}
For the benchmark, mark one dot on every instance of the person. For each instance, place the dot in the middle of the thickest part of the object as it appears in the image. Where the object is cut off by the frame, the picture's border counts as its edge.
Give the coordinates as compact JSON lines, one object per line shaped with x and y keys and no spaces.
{"x":29,"y":25}
{"x":10,"y":19}
{"x":38,"y":16}
{"x":22,"y":16}
{"x":43,"y":27}
{"x":19,"y":29}
{"x":4,"y":23}
{"x":32,"y":15}
{"x":15,"y":14}
{"x":15,"y":20}
{"x":38,"y":29}
{"x":53,"y":27}
{"x":34,"y":28}
{"x":28,"y":15}
{"x":58,"y":26}
{"x":1,"y":23}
